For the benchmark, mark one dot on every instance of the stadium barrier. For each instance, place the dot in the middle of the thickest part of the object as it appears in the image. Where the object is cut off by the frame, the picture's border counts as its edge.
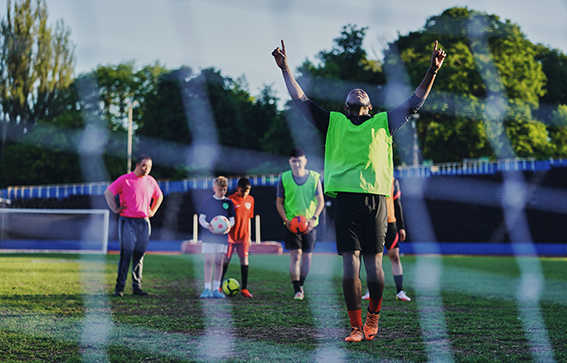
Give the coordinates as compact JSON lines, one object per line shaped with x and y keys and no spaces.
{"x":481,"y":166}
{"x":98,"y":188}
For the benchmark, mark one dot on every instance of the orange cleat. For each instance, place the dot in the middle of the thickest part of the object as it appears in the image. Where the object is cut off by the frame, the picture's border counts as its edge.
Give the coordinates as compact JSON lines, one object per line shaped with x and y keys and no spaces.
{"x":356,"y":335}
{"x":371,"y":325}
{"x":246,"y":293}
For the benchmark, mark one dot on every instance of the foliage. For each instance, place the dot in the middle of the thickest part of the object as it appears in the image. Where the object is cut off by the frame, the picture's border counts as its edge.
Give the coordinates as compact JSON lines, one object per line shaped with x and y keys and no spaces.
{"x":119,"y":86}
{"x":36,"y":66}
{"x":197,"y":115}
{"x":554,"y":65}
{"x":489,"y":61}
{"x":497,"y":95}
{"x":558,"y":131}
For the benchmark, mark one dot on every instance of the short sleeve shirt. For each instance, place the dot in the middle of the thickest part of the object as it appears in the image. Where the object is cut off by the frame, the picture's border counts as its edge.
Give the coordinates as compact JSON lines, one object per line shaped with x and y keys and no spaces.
{"x":135,"y":193}
{"x":211,"y":208}
{"x":244,"y":211}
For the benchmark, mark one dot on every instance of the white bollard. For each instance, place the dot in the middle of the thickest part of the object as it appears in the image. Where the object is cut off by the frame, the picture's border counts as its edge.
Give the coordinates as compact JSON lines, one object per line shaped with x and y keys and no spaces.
{"x":257,"y":220}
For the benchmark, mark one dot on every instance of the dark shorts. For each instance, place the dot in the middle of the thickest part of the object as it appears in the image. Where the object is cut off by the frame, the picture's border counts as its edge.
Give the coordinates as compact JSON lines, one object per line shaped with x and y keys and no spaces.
{"x":392,"y":237}
{"x":297,"y":241}
{"x":360,"y":222}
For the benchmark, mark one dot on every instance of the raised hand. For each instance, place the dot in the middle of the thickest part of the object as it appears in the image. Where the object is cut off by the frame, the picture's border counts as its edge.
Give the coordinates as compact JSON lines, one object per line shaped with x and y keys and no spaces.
{"x":437,"y":57}
{"x":280,"y":57}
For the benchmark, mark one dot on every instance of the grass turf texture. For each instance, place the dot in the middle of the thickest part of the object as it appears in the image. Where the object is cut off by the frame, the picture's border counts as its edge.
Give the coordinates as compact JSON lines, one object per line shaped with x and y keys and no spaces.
{"x":58,"y":308}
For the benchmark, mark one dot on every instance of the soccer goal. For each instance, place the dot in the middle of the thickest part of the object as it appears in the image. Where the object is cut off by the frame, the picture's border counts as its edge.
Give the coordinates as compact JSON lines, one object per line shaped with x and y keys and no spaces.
{"x":54,"y":230}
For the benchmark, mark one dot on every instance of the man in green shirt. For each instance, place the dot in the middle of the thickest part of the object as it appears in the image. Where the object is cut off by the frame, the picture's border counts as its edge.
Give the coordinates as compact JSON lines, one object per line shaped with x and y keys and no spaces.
{"x":299,"y":193}
{"x":359,"y":171}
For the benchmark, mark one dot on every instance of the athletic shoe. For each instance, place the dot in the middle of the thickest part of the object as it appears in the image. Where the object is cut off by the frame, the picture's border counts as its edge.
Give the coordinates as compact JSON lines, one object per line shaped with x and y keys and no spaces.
{"x":246,"y":293}
{"x":207,"y":294}
{"x":217,"y":295}
{"x":298,"y":296}
{"x":366,"y":296}
{"x":356,"y":335}
{"x":402,"y":296}
{"x":140,"y":292}
{"x":371,"y":325}
{"x":119,"y":293}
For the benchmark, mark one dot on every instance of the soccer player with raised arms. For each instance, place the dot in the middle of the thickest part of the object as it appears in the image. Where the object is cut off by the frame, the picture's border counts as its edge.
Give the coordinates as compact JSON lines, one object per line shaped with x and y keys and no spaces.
{"x":358,"y":172}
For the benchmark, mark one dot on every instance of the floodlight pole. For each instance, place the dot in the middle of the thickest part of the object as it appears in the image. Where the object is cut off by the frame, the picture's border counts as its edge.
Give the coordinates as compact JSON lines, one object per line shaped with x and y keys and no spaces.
{"x":129,"y":156}
{"x":415,"y":148}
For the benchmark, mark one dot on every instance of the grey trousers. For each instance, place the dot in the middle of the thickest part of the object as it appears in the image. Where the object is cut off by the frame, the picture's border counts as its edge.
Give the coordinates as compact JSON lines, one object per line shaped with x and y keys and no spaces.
{"x":134,"y":234}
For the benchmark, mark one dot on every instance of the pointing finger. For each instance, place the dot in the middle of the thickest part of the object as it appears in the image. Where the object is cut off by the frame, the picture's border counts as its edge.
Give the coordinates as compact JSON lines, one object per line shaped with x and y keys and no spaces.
{"x":436,"y":42}
{"x":283,"y":47}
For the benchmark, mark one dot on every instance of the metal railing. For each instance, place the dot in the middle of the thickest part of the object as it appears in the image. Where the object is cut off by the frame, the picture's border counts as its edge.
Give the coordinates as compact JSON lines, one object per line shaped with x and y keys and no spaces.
{"x":98,"y":188}
{"x":480,"y":166}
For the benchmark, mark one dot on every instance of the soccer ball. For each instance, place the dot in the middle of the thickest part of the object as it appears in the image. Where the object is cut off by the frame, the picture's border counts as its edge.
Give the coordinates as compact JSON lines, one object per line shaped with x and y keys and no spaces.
{"x":299,"y":224}
{"x":230,"y":287}
{"x":220,"y":225}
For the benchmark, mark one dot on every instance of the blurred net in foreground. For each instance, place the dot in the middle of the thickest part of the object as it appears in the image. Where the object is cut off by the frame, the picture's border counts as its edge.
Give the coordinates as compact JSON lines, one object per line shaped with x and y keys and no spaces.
{"x":54,"y":230}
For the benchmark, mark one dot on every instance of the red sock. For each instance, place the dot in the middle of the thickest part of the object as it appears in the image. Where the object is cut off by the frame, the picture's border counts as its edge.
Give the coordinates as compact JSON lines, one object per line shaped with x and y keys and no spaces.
{"x":374,"y":306}
{"x":355,"y":317}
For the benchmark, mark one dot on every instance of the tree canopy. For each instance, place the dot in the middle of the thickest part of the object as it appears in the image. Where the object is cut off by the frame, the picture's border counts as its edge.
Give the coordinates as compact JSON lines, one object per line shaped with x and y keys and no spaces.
{"x":36,"y":67}
{"x":485,"y":93}
{"x":497,"y":95}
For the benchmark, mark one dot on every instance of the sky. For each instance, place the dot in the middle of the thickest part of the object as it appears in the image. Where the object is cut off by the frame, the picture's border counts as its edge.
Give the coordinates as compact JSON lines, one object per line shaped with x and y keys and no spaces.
{"x":237,"y":36}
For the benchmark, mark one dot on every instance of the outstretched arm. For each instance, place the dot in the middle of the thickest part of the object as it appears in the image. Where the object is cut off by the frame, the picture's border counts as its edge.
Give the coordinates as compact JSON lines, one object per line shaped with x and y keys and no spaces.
{"x":293,"y":87}
{"x":437,"y":59}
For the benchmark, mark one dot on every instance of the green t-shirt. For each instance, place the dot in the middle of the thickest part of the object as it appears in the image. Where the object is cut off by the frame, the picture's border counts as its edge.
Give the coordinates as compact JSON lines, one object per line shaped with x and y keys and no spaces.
{"x":300,"y":199}
{"x":358,"y":158}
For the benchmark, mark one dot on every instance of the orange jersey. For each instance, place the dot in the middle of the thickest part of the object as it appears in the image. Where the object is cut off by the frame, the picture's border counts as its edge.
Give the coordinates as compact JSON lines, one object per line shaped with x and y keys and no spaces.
{"x":244,"y":211}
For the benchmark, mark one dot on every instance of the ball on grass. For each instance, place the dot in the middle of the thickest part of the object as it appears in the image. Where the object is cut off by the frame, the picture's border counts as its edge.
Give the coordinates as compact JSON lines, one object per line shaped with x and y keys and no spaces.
{"x":230,"y":287}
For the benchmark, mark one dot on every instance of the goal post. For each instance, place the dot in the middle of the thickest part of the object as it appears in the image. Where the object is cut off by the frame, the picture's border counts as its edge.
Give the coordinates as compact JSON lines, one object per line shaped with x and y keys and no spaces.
{"x":54,"y":230}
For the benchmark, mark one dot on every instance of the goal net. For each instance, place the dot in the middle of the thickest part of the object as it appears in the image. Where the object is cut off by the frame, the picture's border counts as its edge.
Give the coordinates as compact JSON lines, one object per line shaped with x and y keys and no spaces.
{"x":54,"y":230}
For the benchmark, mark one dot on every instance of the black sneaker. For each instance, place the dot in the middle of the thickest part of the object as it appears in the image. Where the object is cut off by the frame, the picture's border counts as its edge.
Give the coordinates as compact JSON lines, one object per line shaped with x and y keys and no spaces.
{"x":119,"y":293}
{"x":140,"y":293}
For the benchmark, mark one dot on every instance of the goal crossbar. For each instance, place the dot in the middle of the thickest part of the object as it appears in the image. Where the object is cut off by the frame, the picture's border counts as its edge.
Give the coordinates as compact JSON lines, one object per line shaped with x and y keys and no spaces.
{"x":54,"y":230}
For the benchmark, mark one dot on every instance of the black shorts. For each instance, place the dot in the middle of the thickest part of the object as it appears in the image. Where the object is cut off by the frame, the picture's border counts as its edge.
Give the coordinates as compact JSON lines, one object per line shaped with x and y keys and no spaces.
{"x":392,"y":237}
{"x":298,"y":241}
{"x":361,"y":222}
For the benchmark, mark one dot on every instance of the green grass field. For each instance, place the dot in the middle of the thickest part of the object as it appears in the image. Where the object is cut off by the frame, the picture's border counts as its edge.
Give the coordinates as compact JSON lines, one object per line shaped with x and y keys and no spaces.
{"x":58,"y":308}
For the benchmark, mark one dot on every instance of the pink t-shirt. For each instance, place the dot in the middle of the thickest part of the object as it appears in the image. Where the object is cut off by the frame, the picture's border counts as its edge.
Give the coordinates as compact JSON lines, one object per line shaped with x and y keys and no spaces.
{"x":136,"y":193}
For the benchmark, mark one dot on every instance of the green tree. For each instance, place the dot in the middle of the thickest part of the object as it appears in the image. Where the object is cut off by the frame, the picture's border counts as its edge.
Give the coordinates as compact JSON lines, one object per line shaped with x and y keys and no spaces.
{"x":554,"y":65}
{"x":118,"y":86}
{"x":485,"y":91}
{"x":558,"y":131}
{"x":36,"y":67}
{"x":210,"y":111}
